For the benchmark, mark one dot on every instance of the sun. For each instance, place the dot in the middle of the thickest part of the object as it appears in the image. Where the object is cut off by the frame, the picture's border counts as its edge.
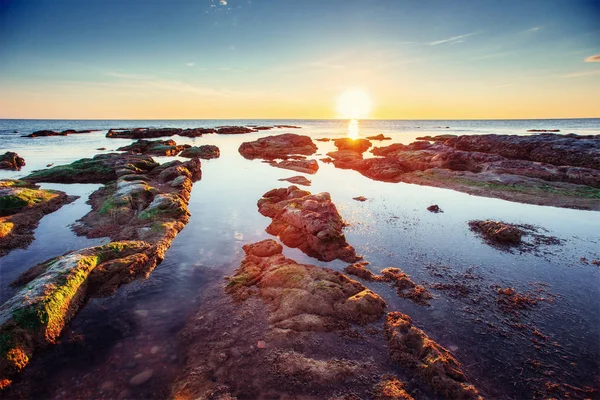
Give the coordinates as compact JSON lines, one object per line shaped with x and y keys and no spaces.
{"x":354,"y":104}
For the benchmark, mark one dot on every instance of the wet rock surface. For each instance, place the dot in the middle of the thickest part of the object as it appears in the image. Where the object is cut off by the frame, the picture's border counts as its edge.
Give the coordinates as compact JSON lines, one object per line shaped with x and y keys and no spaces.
{"x":411,"y":348}
{"x":308,"y":222}
{"x":154,"y":147}
{"x":282,"y":333}
{"x":66,"y":132}
{"x":304,"y":166}
{"x":356,"y":145}
{"x":205,"y":152}
{"x":379,"y":137}
{"x":278,"y":147}
{"x":12,"y":161}
{"x":297,"y":180}
{"x":141,"y":211}
{"x":507,"y":237}
{"x":22,"y":206}
{"x":149,"y":133}
{"x":405,"y":287}
{"x":547,"y":169}
{"x":102,"y":168}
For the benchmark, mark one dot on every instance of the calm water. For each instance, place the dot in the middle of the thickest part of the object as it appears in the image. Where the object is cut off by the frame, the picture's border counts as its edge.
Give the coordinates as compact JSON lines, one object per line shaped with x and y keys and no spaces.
{"x":115,"y":338}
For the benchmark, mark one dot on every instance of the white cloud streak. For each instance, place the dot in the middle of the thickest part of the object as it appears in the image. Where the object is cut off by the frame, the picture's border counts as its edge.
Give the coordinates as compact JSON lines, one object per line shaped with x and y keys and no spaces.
{"x":453,"y":39}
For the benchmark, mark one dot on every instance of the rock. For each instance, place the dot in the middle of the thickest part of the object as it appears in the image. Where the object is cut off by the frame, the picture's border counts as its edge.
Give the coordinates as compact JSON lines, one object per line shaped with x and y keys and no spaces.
{"x":379,"y":137}
{"x":138,"y":209}
{"x":103,"y":168}
{"x":297,"y":180}
{"x":143,"y":133}
{"x":497,"y":232}
{"x":101,"y":148}
{"x":141,"y":378}
{"x":196,"y":132}
{"x":205,"y":152}
{"x":11,"y":160}
{"x":154,"y":147}
{"x":299,"y":296}
{"x":547,"y":169}
{"x":233,"y":130}
{"x":360,"y":198}
{"x":405,"y":287}
{"x":22,"y":206}
{"x":323,"y":140}
{"x":543,"y":130}
{"x":278,"y":146}
{"x":66,"y":132}
{"x":357,"y":145}
{"x":304,"y":166}
{"x":434,"y":208}
{"x":390,"y":388}
{"x":412,"y":349}
{"x":308,"y":222}
{"x":288,"y":127}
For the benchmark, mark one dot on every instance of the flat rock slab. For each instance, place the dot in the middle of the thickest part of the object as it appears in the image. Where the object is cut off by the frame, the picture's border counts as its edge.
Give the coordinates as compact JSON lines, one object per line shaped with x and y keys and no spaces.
{"x":297,"y":180}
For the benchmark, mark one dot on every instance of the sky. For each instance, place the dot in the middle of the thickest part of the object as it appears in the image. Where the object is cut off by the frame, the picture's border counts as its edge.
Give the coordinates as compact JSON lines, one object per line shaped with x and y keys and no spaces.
{"x":209,"y":59}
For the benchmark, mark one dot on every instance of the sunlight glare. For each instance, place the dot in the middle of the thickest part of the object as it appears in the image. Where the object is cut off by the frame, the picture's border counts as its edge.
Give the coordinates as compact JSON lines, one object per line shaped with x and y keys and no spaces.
{"x":354,"y":104}
{"x":353,"y":129}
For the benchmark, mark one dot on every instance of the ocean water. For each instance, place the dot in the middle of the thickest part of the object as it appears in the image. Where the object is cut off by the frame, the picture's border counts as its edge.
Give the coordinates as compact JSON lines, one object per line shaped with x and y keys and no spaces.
{"x":391,"y":229}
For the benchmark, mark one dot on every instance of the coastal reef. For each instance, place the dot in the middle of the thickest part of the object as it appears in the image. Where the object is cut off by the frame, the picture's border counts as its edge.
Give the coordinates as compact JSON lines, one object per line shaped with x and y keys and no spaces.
{"x":22,"y":205}
{"x":307,"y":221}
{"x":545,"y":169}
{"x":141,"y":208}
{"x":12,"y":161}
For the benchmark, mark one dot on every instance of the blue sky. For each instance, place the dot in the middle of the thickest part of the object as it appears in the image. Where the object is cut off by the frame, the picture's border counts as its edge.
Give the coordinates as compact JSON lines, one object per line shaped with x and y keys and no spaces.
{"x":264,"y":58}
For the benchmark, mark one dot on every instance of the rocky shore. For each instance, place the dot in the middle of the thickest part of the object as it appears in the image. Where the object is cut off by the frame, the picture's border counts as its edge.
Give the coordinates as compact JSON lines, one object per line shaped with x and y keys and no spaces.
{"x":141,"y":208}
{"x":546,"y":169}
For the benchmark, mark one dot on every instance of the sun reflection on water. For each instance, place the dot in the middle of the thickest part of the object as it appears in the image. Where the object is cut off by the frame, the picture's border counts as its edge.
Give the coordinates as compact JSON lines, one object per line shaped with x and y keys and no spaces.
{"x":353,"y":131}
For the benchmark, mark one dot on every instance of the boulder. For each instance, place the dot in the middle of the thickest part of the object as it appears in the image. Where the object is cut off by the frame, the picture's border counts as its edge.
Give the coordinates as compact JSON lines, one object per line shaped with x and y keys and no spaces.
{"x":155,"y":147}
{"x":308,"y":222}
{"x":357,"y":145}
{"x":278,"y":146}
{"x":11,"y":160}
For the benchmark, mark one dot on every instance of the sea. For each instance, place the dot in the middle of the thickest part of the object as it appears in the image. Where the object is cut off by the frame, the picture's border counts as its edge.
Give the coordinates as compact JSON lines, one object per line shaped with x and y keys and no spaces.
{"x":115,"y":338}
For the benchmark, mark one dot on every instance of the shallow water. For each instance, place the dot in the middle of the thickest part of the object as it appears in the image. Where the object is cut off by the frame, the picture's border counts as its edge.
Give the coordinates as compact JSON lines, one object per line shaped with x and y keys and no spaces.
{"x":116,"y":338}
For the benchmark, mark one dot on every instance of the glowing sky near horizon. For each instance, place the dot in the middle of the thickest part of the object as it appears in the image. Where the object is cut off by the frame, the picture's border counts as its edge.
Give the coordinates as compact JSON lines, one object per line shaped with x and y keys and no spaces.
{"x":150,"y":59}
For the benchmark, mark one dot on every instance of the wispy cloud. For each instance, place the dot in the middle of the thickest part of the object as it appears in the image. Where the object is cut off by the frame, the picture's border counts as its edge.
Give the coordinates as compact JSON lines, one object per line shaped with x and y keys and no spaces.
{"x":534,"y":29}
{"x":453,"y":39}
{"x":594,"y":58}
{"x":190,"y":64}
{"x":581,"y":74}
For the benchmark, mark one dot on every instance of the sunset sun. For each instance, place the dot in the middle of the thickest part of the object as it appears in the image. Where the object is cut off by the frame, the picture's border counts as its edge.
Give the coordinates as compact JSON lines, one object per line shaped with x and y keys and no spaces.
{"x":353,"y":104}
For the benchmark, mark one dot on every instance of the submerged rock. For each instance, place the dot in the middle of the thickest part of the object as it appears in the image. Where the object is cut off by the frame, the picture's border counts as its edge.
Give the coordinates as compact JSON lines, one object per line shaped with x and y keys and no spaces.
{"x":308,"y":222}
{"x":22,"y":206}
{"x":204,"y":152}
{"x":11,"y":160}
{"x":360,"y":198}
{"x":297,"y":180}
{"x":234,"y":130}
{"x":278,"y":146}
{"x":412,"y":349}
{"x":155,"y":147}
